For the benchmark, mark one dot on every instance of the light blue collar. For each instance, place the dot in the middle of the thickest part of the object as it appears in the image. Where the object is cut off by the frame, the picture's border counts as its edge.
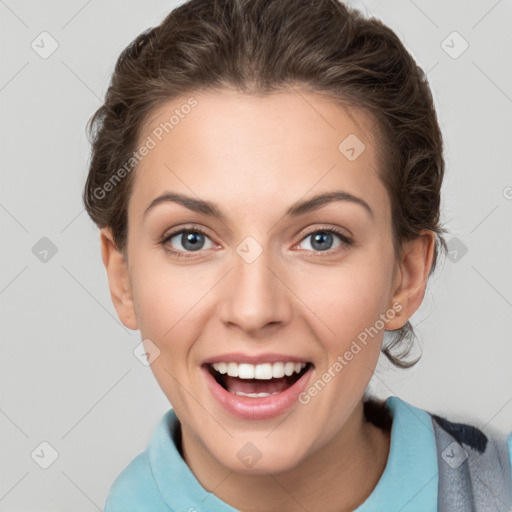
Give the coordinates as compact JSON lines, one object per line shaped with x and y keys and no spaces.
{"x":410,"y":479}
{"x":408,"y":483}
{"x":178,"y":486}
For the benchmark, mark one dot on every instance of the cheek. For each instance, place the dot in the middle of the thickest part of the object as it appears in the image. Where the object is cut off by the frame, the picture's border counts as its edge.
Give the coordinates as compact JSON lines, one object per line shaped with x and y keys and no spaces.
{"x":167,"y":299}
{"x":166,"y":304}
{"x":349,"y":302}
{"x":348,"y":298}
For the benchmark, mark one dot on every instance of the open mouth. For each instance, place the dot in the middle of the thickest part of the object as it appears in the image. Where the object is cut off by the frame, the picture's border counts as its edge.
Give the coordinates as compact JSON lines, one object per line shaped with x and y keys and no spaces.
{"x":257,"y":381}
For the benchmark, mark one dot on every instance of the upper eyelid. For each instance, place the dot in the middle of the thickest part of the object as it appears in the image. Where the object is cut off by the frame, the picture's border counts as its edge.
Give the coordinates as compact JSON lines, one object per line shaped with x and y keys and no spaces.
{"x":190,"y":229}
{"x":337,"y":231}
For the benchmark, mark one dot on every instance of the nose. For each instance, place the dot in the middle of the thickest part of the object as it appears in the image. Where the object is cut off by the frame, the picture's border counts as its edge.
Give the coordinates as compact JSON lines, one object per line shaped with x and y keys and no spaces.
{"x":255,"y":298}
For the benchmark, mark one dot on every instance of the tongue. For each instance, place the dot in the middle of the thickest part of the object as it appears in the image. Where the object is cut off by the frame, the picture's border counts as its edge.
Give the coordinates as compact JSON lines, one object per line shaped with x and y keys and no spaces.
{"x":234,"y":384}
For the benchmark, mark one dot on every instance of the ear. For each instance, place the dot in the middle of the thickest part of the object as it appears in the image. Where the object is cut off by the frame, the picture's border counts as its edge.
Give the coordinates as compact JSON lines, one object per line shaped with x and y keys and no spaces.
{"x":118,"y":279}
{"x":411,"y":276}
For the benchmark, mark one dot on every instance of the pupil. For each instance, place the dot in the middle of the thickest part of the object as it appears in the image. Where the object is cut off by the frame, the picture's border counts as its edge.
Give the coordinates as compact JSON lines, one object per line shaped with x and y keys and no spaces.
{"x":320,"y":237}
{"x":194,"y":239}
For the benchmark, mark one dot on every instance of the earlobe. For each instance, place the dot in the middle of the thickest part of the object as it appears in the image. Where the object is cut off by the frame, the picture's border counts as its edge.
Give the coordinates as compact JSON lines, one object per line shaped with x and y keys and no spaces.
{"x":118,"y":279}
{"x":411,"y":277}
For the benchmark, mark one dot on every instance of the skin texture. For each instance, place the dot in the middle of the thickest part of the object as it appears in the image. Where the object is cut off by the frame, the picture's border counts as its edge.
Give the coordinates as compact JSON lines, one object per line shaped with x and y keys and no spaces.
{"x":254,"y":156}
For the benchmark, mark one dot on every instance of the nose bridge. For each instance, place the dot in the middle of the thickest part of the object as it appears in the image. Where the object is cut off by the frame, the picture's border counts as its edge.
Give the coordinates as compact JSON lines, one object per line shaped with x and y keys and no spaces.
{"x":254,"y":296}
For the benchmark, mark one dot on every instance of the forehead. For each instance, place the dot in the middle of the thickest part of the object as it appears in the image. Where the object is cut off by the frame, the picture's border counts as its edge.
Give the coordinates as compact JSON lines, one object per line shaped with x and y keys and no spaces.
{"x":280,"y":146}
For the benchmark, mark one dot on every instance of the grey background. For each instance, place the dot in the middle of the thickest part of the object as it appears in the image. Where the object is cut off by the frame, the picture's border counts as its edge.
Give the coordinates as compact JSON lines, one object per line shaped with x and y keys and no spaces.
{"x":67,"y":372}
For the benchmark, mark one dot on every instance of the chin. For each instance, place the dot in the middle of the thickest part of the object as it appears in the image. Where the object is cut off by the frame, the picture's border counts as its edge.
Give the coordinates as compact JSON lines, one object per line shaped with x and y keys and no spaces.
{"x":251,"y":460}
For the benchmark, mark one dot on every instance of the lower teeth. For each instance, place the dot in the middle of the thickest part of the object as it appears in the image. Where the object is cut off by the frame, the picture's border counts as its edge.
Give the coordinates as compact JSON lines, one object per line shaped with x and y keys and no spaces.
{"x":255,"y":395}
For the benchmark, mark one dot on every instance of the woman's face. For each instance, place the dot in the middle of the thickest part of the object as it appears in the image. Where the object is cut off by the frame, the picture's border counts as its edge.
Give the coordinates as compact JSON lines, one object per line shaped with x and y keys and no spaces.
{"x":267,"y":282}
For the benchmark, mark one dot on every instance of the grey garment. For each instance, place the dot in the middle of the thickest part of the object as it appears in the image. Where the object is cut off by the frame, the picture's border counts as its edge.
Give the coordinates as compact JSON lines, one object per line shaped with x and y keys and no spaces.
{"x":474,"y":469}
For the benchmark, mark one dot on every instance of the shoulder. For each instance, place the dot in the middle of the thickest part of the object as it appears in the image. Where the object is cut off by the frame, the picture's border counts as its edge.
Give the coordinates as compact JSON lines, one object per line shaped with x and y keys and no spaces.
{"x":135,"y":489}
{"x":475,"y":463}
{"x":480,"y":440}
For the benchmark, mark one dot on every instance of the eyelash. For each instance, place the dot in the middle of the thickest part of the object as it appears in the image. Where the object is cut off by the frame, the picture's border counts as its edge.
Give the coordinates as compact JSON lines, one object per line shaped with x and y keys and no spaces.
{"x":346,"y":241}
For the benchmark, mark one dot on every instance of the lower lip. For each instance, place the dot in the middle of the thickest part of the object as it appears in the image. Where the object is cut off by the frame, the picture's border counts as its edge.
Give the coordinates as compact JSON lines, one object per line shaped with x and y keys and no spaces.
{"x":257,"y":408}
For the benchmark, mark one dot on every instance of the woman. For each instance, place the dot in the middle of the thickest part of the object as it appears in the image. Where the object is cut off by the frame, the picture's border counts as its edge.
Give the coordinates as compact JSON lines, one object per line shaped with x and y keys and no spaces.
{"x":266,"y":176}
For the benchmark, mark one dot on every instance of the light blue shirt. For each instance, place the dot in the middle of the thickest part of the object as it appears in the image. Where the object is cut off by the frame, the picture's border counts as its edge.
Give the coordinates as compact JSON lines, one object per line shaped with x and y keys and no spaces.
{"x":159,"y":480}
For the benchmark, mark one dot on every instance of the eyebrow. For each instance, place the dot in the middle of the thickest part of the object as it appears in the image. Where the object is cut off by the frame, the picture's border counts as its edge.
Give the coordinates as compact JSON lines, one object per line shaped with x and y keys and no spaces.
{"x":297,"y":209}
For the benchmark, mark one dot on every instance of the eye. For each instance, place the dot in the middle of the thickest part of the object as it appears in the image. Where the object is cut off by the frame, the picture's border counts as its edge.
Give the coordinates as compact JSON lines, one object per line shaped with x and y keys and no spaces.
{"x":191,"y":240}
{"x":322,"y":240}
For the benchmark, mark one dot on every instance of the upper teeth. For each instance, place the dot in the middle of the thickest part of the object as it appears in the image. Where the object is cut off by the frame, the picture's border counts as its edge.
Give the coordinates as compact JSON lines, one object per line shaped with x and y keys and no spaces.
{"x":259,"y":371}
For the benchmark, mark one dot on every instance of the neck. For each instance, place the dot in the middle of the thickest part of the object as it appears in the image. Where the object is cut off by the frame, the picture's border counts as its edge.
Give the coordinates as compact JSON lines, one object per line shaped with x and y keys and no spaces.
{"x":338,"y":477}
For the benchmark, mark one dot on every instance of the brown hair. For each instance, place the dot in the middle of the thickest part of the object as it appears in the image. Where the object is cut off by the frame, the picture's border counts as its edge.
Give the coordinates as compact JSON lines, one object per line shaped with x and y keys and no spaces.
{"x":260,"y":46}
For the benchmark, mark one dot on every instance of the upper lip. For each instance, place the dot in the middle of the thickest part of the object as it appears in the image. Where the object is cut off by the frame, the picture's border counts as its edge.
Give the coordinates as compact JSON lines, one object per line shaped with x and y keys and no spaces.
{"x":238,"y":357}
